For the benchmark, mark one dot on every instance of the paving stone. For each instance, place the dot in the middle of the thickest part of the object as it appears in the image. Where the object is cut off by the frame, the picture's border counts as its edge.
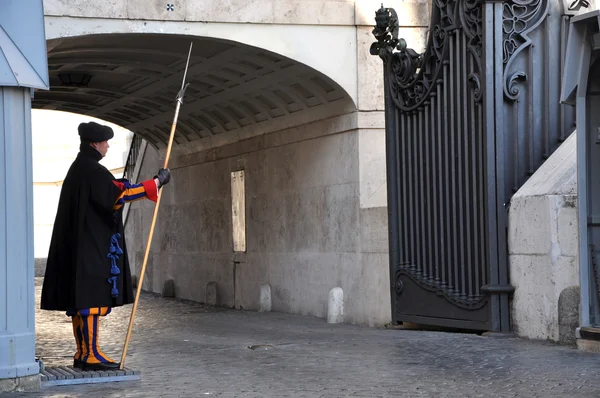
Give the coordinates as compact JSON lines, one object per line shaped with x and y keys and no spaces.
{"x":185,"y":349}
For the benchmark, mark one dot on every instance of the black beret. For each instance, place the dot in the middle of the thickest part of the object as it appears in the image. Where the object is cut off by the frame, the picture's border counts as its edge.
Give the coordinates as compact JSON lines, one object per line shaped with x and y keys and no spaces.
{"x":94,"y":132}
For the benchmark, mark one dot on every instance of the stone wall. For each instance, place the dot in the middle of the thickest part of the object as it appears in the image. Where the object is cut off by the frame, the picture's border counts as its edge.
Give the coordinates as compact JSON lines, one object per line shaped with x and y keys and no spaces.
{"x":331,"y":36}
{"x":306,"y":231}
{"x":297,"y":12}
{"x":315,"y":194}
{"x":543,"y":247}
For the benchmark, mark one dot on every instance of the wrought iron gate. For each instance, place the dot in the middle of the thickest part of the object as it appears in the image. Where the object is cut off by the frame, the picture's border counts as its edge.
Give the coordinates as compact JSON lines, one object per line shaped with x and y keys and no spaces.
{"x":467,"y":122}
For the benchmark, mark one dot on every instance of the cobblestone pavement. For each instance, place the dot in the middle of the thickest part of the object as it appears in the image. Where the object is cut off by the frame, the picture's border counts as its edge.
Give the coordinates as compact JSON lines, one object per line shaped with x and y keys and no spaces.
{"x":189,"y":350}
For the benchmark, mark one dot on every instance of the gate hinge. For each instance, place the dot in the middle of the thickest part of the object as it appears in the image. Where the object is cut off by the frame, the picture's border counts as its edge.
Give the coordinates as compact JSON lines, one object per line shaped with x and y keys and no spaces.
{"x":595,"y":270}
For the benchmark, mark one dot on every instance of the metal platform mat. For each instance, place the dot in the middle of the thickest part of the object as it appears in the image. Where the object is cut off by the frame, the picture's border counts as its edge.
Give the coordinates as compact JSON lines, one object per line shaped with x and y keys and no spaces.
{"x":68,"y":375}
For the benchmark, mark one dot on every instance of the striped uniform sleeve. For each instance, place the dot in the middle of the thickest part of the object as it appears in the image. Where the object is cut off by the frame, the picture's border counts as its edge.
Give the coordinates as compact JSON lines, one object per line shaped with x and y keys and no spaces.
{"x":133,"y":192}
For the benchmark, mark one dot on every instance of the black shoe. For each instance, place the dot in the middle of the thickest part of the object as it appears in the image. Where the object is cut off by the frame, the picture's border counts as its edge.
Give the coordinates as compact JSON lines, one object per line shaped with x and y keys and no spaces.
{"x":77,"y":363}
{"x":99,"y":366}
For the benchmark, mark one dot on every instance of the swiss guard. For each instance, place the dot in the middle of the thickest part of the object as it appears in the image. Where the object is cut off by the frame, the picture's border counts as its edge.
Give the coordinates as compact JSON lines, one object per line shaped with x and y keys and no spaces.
{"x":87,"y":272}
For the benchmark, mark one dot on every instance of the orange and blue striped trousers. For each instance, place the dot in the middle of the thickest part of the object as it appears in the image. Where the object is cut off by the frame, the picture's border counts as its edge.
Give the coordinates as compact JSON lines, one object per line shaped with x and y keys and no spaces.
{"x":86,"y":328}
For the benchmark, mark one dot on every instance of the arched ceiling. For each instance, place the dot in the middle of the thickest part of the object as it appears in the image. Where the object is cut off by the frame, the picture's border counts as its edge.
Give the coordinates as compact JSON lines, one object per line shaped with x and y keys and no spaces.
{"x":132,"y":80}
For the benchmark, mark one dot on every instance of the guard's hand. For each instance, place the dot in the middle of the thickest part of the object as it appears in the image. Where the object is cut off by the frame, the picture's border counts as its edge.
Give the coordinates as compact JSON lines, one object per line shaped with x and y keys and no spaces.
{"x":163,"y":176}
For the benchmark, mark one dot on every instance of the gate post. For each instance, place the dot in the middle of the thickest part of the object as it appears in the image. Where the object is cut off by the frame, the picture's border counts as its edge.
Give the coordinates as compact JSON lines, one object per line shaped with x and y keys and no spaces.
{"x":524,"y":121}
{"x":493,"y":121}
{"x":386,"y":19}
{"x":391,"y":146}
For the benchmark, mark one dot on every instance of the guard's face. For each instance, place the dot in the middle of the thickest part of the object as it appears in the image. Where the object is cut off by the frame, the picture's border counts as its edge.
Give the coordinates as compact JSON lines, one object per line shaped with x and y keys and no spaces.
{"x":101,"y":147}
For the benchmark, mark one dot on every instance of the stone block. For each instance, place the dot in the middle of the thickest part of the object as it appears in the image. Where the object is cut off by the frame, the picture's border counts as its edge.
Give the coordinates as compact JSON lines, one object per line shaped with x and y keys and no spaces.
{"x":367,"y":303}
{"x":179,"y":187}
{"x":321,"y":12}
{"x":303,"y":233}
{"x":370,"y":73}
{"x":211,"y":293}
{"x":534,"y":305}
{"x":340,"y":224}
{"x":410,"y":13}
{"x":374,"y":230}
{"x":86,"y":8}
{"x":568,"y":314}
{"x":265,"y":298}
{"x":370,"y":120}
{"x":329,"y":160}
{"x":588,"y":345}
{"x":530,"y":225}
{"x":159,"y":273}
{"x":20,"y":384}
{"x":335,"y":306}
{"x":191,"y":272}
{"x":301,"y":282}
{"x":155,"y":9}
{"x":215,"y":234}
{"x":179,"y":226}
{"x":251,"y":11}
{"x":372,"y":168}
{"x":565,"y":273}
{"x":568,"y":235}
{"x":168,"y":288}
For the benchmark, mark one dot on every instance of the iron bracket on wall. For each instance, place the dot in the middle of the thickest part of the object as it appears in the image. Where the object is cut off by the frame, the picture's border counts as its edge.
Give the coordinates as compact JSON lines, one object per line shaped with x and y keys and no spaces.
{"x":498,"y":289}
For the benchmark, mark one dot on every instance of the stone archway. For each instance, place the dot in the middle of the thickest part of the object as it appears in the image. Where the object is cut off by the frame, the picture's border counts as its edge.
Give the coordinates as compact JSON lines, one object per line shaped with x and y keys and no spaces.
{"x":132,"y":80}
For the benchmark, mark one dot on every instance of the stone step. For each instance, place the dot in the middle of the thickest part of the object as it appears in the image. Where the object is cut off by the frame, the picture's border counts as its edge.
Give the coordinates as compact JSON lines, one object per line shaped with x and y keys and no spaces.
{"x":68,"y":375}
{"x":588,"y":339}
{"x":589,"y":333}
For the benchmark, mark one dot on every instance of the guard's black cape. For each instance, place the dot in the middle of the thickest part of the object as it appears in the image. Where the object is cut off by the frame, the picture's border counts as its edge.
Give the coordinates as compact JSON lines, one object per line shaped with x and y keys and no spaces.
{"x":78,"y":266}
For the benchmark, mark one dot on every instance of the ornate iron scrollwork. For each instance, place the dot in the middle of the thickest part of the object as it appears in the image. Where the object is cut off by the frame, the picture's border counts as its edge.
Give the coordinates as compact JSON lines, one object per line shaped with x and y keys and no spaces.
{"x":468,"y":303}
{"x":472,"y":24}
{"x":519,"y":18}
{"x":386,"y":32}
{"x":399,"y":284}
{"x":412,"y":76}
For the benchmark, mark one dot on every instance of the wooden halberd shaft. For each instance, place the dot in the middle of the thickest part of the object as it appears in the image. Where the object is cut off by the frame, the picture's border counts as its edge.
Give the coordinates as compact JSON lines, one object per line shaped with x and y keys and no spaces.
{"x":156,"y":207}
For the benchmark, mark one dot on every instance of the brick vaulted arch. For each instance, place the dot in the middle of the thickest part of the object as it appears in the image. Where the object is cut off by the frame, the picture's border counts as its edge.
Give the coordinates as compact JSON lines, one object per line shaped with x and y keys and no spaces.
{"x":132,"y":79}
